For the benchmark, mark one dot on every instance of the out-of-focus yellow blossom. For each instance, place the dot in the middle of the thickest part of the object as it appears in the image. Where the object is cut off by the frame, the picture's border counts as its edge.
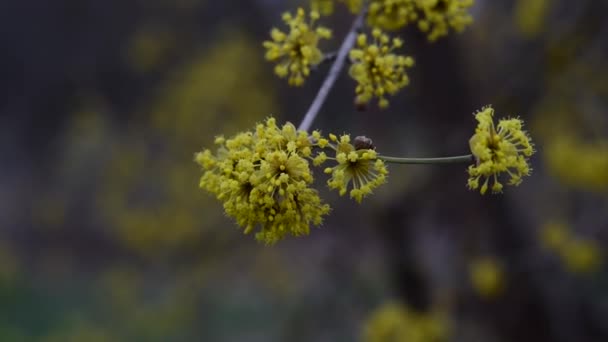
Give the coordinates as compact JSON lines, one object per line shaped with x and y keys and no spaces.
{"x":553,"y":235}
{"x":441,"y":15}
{"x":357,"y":168}
{"x":578,"y":163}
{"x":377,"y":70}
{"x":297,"y":50}
{"x":530,"y":16}
{"x":502,"y":148}
{"x":155,"y":218}
{"x":263,"y":179}
{"x":487,"y":277}
{"x":395,"y":323}
{"x":580,"y":255}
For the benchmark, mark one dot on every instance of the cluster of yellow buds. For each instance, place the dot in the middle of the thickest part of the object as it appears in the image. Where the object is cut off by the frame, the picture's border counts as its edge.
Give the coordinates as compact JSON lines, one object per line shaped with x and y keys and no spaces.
{"x":392,"y":15}
{"x":502,"y":148}
{"x":441,"y":15}
{"x":297,"y":50}
{"x":357,"y":168}
{"x":377,"y":69}
{"x":435,"y":17}
{"x":264,"y":178}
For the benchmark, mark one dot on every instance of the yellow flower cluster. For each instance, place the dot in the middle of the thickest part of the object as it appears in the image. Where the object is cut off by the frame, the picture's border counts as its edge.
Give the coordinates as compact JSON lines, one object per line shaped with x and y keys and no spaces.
{"x":297,"y":50}
{"x":357,"y":168}
{"x":578,"y":254}
{"x":487,"y":277}
{"x":441,"y":15}
{"x":377,"y":70}
{"x":394,"y":322}
{"x":263,"y":177}
{"x":502,"y":148}
{"x":435,"y":17}
{"x":392,"y":14}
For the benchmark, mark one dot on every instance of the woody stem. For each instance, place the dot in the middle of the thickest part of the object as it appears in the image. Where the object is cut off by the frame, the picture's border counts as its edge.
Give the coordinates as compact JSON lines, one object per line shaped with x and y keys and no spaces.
{"x":334,"y":72}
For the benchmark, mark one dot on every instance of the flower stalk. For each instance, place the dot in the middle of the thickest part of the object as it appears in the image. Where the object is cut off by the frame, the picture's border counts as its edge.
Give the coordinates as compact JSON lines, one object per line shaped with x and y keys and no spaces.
{"x":440,"y":160}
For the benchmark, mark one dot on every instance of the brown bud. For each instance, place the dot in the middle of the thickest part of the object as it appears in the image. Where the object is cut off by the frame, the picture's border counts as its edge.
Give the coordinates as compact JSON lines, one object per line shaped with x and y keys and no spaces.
{"x":363,"y":143}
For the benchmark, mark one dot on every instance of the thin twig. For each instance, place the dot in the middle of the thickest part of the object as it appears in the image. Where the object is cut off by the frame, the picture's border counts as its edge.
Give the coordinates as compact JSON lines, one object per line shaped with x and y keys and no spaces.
{"x":442,"y":160}
{"x":333,"y":73}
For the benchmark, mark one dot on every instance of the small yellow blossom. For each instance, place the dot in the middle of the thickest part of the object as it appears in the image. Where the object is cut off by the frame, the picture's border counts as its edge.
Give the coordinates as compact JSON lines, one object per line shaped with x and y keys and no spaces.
{"x":297,"y":50}
{"x":395,"y":322}
{"x":263,"y":179}
{"x":377,"y":70}
{"x":502,"y":148}
{"x":357,"y":169}
{"x":441,"y":15}
{"x":487,"y":277}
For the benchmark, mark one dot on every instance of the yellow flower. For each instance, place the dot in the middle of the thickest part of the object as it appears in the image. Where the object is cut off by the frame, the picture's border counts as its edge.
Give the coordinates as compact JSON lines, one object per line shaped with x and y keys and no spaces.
{"x":357,"y":169}
{"x":487,"y":277}
{"x":502,"y":148}
{"x":296,"y":51}
{"x":263,"y":178}
{"x":441,"y":15}
{"x":377,"y":70}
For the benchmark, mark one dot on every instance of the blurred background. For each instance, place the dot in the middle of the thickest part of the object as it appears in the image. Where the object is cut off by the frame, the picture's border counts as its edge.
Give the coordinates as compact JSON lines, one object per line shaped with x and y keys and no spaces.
{"x":105,"y":235}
